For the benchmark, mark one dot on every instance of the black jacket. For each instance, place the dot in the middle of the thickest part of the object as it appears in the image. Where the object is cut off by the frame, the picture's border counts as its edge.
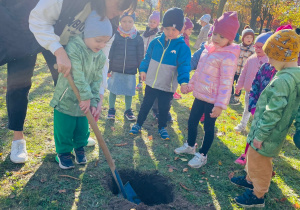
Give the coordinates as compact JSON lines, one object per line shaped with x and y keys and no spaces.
{"x":126,"y":54}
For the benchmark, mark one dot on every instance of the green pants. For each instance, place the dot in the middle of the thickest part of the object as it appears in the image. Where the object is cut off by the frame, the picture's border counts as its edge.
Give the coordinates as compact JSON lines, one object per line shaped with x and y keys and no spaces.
{"x":70,"y":132}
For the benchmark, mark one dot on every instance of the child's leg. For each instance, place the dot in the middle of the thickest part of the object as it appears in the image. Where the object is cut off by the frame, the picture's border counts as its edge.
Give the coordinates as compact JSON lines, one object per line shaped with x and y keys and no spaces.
{"x":112,"y":100}
{"x":164,"y":105}
{"x":259,"y":172}
{"x":128,"y":102}
{"x":81,"y":133}
{"x":209,"y":129}
{"x":150,"y":96}
{"x":155,"y":106}
{"x":195,"y":115}
{"x":64,"y":126}
{"x":246,"y":113}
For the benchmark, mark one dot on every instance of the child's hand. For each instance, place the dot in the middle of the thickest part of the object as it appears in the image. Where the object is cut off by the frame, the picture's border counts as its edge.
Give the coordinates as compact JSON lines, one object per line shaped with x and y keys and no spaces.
{"x":216,"y":112}
{"x":96,"y":112}
{"x":108,"y":75}
{"x":85,"y":106}
{"x":184,"y":89}
{"x":237,"y":91}
{"x":143,"y":76}
{"x":257,"y":144}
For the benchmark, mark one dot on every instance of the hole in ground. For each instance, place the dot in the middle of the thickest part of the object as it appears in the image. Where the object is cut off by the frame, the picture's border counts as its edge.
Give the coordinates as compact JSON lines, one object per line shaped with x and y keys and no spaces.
{"x":151,"y":188}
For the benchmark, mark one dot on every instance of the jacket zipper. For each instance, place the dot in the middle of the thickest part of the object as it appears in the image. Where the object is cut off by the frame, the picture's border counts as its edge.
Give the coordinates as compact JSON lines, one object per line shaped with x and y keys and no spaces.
{"x":63,"y":94}
{"x":125,"y":56}
{"x":157,"y":70}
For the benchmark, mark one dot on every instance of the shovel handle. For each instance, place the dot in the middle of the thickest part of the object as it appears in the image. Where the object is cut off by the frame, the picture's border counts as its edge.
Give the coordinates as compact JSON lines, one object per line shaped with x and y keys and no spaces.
{"x":97,"y":132}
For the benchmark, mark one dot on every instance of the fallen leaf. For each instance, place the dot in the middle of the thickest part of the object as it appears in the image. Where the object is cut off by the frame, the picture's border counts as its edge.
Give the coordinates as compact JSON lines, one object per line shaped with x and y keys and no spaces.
{"x":171,"y":170}
{"x":200,"y":181}
{"x":297,"y":206}
{"x":96,"y":163}
{"x":283,"y":199}
{"x":69,"y":177}
{"x":185,"y":170}
{"x":121,"y":145}
{"x":212,"y":176}
{"x":150,"y":137}
{"x":183,"y":159}
{"x":220,"y":163}
{"x":204,"y":178}
{"x":24,"y":172}
{"x":223,"y":129}
{"x":233,"y":117}
{"x":203,"y":172}
{"x":220,"y":134}
{"x":172,"y":167}
{"x":231,"y":175}
{"x":176,"y":158}
{"x":12,"y":196}
{"x":43,"y":180}
{"x":62,"y":191}
{"x":112,"y":128}
{"x":166,"y":145}
{"x":190,"y":108}
{"x":183,"y":186}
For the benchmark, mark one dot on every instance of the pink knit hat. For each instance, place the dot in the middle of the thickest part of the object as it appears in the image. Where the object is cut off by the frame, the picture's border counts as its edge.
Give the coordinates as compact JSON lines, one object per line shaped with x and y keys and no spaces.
{"x":155,"y":16}
{"x":284,"y":27}
{"x":227,"y":25}
{"x":188,"y":24}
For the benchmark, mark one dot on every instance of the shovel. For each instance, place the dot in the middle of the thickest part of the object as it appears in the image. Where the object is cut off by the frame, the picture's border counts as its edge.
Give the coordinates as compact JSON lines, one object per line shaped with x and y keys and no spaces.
{"x":127,"y":191}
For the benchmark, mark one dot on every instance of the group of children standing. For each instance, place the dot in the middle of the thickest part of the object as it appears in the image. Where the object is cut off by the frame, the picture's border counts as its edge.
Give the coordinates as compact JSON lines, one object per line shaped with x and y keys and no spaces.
{"x":164,"y":62}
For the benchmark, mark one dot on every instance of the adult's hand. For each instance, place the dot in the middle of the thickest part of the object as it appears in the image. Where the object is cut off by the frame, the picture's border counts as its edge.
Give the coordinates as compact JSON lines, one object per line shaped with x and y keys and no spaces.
{"x":63,"y":61}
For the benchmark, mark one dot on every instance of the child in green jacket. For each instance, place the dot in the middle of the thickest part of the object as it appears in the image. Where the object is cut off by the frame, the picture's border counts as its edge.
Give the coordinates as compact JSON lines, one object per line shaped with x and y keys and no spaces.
{"x":275,"y":111}
{"x":71,"y":129}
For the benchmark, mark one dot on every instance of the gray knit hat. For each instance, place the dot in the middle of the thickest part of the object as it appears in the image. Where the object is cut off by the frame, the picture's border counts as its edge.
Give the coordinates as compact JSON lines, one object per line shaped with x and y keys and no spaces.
{"x":94,"y":26}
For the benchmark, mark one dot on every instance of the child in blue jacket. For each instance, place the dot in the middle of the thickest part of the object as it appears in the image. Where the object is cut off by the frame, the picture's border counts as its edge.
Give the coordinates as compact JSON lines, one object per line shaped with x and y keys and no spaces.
{"x":167,"y":58}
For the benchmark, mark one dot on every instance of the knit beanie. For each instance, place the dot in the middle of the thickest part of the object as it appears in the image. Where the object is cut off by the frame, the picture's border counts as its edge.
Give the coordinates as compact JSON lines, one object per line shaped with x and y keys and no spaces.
{"x":188,"y":23}
{"x":205,"y":18}
{"x":94,"y":26}
{"x":227,"y":25}
{"x":283,"y":46}
{"x":247,"y":32}
{"x":262,"y":38}
{"x":127,"y":14}
{"x":155,"y":16}
{"x":288,"y":26}
{"x":174,"y":18}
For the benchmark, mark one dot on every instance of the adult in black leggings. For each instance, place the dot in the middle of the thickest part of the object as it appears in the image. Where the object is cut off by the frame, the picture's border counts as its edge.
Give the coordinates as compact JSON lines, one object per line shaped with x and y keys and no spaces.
{"x":54,"y":23}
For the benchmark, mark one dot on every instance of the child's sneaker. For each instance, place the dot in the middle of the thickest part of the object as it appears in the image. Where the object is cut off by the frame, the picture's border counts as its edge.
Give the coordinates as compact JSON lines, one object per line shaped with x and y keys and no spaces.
{"x":111,"y":114}
{"x":185,"y":148}
{"x":176,"y":96}
{"x":135,"y":129}
{"x":129,"y":115}
{"x":18,"y":152}
{"x":239,"y":128}
{"x":65,"y":160}
{"x":248,"y":199}
{"x":241,"y":160}
{"x":198,"y":161}
{"x":241,"y":181}
{"x":91,"y":142}
{"x":164,"y":134}
{"x":139,"y":86}
{"x":79,"y":156}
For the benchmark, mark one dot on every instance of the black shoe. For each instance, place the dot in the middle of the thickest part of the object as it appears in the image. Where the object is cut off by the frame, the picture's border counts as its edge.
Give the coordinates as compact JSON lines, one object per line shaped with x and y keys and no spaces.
{"x":111,"y":114}
{"x":79,"y":156}
{"x":65,"y":160}
{"x":248,"y":199}
{"x":241,"y":181}
{"x":129,"y":115}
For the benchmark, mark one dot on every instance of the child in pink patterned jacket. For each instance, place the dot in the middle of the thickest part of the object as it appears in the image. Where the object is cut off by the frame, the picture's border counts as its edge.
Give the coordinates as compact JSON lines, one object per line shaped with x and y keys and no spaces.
{"x":211,"y":85}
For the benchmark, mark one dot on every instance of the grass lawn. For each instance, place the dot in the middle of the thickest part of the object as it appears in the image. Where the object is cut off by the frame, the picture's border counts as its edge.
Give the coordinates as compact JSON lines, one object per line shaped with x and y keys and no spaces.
{"x":38,"y":184}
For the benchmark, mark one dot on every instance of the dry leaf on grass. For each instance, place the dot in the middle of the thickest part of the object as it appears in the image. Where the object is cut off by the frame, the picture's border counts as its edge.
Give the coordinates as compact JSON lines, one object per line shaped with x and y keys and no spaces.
{"x":231,"y":175}
{"x":171,"y":170}
{"x":112,"y":128}
{"x":183,"y":159}
{"x":176,"y":158}
{"x":43,"y":180}
{"x":68,"y":177}
{"x":150,"y":137}
{"x":233,"y":117}
{"x":220,"y":162}
{"x":297,"y":205}
{"x":62,"y":191}
{"x":121,"y":145}
{"x":283,"y":199}
{"x":24,"y":172}
{"x":174,"y":168}
{"x":212,"y":176}
{"x":96,"y":163}
{"x":184,"y":187}
{"x":203,"y":172}
{"x":220,"y":134}
{"x":185,"y":170}
{"x":12,"y":196}
{"x":200,"y":181}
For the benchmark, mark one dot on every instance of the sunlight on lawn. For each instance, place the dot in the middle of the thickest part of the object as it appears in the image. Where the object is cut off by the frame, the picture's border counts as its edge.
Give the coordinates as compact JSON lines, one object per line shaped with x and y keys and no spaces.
{"x":213,"y":196}
{"x":288,"y":192}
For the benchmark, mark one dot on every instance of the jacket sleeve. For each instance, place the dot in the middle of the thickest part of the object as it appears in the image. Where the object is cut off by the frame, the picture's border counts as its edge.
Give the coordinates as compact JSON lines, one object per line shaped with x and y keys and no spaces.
{"x":277,"y":93}
{"x":111,"y":54}
{"x":184,"y":64}
{"x":297,"y":120}
{"x":96,"y":84}
{"x":196,"y":56}
{"x":254,"y":92}
{"x":41,"y":21}
{"x":140,"y":50}
{"x":77,"y":72}
{"x":146,"y":61}
{"x":227,"y":71}
{"x":241,"y":80}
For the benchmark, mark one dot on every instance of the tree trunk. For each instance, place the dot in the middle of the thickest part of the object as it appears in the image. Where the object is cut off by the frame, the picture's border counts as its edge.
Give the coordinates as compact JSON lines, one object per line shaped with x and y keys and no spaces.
{"x":221,"y":8}
{"x":255,"y":12}
{"x":269,"y":22}
{"x":261,"y":25}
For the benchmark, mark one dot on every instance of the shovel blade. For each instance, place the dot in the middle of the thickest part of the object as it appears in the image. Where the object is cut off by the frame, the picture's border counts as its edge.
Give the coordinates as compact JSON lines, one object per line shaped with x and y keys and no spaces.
{"x":131,"y":195}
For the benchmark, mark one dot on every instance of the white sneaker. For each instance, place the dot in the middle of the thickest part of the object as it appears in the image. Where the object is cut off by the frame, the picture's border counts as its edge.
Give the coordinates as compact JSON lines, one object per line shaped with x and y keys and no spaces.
{"x":198,"y":161}
{"x":18,"y":152}
{"x":185,"y":148}
{"x":239,"y":128}
{"x":91,"y":142}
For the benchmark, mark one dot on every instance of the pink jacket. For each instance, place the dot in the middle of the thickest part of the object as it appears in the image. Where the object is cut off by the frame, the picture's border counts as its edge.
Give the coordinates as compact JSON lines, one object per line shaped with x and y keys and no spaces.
{"x":249,"y":71}
{"x":213,"y":78}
